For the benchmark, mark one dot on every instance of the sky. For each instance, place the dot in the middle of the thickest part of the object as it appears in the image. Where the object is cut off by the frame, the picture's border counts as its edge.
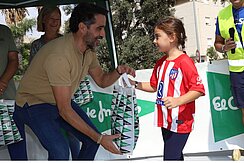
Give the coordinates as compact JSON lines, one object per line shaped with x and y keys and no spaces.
{"x":33,"y":14}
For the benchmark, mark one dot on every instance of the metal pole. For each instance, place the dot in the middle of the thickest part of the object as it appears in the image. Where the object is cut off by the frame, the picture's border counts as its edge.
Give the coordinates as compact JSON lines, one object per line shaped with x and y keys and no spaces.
{"x":196,"y":28}
{"x":115,"y":59}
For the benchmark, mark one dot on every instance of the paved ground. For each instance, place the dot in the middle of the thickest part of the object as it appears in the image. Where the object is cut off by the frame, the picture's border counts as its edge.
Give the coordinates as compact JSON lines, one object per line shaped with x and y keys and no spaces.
{"x":208,"y":156}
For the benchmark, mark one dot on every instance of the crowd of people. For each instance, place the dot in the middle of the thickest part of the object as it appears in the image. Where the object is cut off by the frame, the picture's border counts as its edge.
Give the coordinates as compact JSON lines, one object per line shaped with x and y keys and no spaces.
{"x":58,"y":63}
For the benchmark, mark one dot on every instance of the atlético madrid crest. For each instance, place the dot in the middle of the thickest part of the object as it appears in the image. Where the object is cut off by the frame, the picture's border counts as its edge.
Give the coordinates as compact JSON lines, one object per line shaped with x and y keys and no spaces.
{"x":173,"y":74}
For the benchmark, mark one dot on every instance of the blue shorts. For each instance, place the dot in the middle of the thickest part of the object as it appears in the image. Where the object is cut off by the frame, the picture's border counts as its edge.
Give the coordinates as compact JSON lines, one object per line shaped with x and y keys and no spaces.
{"x":174,"y":144}
{"x":237,"y":88}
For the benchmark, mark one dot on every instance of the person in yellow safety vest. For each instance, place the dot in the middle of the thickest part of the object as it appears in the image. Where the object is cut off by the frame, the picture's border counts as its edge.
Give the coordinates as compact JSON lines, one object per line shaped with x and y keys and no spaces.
{"x":229,"y":40}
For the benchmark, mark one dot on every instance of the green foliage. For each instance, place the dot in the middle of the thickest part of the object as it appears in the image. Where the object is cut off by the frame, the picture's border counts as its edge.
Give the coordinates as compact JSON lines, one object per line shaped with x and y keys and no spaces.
{"x":212,"y":54}
{"x":133,"y":30}
{"x":103,"y":56}
{"x":19,"y":31}
{"x":138,"y":52}
{"x":22,"y":27}
{"x":24,"y":51}
{"x":152,"y":10}
{"x":68,"y":9}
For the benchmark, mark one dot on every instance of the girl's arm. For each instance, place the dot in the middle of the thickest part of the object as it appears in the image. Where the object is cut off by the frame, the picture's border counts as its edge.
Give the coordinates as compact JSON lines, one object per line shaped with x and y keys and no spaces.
{"x":172,"y":102}
{"x":144,"y":86}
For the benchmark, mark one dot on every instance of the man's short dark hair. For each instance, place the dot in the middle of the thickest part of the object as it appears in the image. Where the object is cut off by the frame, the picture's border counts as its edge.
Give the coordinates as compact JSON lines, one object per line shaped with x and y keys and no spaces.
{"x":85,"y":12}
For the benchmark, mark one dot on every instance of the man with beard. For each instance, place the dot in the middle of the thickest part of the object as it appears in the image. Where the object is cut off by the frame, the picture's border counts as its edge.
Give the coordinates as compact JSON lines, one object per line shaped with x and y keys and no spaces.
{"x":43,"y":100}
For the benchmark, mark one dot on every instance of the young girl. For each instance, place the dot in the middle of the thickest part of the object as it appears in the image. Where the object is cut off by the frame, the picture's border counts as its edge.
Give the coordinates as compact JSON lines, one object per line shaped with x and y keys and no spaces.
{"x":176,"y":80}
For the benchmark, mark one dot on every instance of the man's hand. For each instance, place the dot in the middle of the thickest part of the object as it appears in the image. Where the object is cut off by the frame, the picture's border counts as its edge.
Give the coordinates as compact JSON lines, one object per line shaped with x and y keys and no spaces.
{"x":104,"y":79}
{"x":108,"y":144}
{"x":229,"y":44}
{"x":126,"y":69}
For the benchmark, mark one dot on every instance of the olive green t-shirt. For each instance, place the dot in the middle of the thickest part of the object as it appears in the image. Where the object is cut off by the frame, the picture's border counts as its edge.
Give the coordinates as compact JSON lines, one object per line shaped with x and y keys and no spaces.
{"x":57,"y":63}
{"x":7,"y":45}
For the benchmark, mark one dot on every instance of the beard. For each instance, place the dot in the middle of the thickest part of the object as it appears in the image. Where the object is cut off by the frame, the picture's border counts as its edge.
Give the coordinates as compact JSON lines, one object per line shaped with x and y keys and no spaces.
{"x":90,"y":40}
{"x":90,"y":45}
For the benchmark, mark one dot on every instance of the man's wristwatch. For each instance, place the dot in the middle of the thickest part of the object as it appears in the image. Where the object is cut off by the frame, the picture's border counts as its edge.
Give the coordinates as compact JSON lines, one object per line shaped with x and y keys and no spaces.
{"x":118,"y":71}
{"x":136,"y":84}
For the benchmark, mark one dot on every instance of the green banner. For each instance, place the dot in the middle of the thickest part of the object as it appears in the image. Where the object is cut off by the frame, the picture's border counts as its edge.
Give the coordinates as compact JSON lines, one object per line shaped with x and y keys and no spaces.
{"x":226,"y":118}
{"x":99,"y":110}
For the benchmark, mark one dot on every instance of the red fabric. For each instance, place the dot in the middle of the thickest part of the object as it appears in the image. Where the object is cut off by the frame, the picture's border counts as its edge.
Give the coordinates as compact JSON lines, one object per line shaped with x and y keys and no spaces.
{"x":179,"y":76}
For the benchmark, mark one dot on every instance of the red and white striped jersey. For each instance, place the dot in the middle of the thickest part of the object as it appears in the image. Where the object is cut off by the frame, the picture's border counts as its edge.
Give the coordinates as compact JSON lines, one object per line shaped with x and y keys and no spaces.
{"x":174,"y":78}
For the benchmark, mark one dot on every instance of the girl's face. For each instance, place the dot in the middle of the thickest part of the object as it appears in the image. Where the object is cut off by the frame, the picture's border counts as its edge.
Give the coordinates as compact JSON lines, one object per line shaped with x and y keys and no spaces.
{"x":162,"y":40}
{"x":52,"y":21}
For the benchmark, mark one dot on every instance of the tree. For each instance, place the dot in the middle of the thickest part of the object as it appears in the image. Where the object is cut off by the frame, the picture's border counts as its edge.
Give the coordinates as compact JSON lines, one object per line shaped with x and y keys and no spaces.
{"x":133,"y":22}
{"x":67,"y":11}
{"x":14,"y":15}
{"x":19,"y":31}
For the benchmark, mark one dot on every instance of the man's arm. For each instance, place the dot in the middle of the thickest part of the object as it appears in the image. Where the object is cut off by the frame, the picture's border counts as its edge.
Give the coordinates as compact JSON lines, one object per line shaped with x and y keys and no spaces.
{"x":105,"y":79}
{"x":219,"y":44}
{"x":12,"y":66}
{"x":144,"y":86}
{"x":62,"y":96}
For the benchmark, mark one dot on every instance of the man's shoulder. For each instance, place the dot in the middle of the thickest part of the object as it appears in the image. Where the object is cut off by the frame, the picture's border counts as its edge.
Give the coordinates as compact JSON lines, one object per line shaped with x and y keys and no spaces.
{"x":61,"y":44}
{"x":62,"y":39}
{"x":4,"y":28}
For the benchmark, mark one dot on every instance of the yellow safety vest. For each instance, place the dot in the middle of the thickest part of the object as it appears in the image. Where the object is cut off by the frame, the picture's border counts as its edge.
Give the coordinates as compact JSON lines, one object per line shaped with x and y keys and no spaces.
{"x":226,"y":21}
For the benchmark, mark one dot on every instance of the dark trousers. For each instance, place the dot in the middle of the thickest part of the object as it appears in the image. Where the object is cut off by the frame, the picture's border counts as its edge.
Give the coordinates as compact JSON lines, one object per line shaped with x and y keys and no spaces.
{"x":174,"y":144}
{"x":46,"y":123}
{"x":237,"y":88}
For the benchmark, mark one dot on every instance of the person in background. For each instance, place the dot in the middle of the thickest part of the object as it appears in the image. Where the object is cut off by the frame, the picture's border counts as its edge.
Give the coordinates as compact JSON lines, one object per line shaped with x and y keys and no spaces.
{"x":44,"y":97}
{"x":9,"y":63}
{"x":49,"y":22}
{"x":178,"y":85}
{"x":231,"y":18}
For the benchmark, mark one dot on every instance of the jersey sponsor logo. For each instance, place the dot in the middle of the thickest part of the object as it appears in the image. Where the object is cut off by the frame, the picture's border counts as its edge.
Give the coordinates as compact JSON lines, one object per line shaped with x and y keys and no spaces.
{"x":159,"y":102}
{"x":160,"y":94}
{"x":239,"y":21}
{"x":173,"y":74}
{"x":199,"y":80}
{"x":160,"y":90}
